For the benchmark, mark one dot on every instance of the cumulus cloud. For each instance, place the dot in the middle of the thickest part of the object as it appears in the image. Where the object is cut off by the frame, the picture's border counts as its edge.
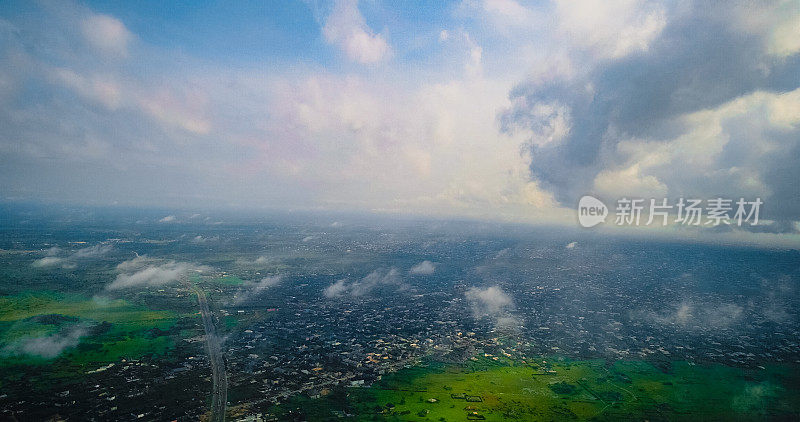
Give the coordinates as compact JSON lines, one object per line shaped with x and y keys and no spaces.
{"x":266,"y":283}
{"x":338,"y":288}
{"x":493,"y":303}
{"x":611,"y":28}
{"x":430,"y":146}
{"x":423,"y":268}
{"x":252,"y":289}
{"x":47,"y":347}
{"x":347,"y":29}
{"x":490,"y":301}
{"x":168,"y":219}
{"x":374,"y":281}
{"x":70,"y":259}
{"x":145,"y":272}
{"x":571,"y":245}
{"x":48,"y":261}
{"x":107,"y":34}
{"x":437,"y":149}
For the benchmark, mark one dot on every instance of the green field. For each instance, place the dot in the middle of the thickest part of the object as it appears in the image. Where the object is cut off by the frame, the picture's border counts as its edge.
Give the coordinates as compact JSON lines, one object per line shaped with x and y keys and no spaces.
{"x":88,"y":331}
{"x":561,"y":389}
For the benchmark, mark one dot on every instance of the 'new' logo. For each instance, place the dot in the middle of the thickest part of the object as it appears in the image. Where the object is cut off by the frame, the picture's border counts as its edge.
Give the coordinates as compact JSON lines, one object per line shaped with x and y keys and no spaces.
{"x":591,"y":211}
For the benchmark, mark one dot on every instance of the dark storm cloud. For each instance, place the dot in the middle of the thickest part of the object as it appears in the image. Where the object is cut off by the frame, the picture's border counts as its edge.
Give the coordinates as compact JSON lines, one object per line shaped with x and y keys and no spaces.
{"x":702,"y":59}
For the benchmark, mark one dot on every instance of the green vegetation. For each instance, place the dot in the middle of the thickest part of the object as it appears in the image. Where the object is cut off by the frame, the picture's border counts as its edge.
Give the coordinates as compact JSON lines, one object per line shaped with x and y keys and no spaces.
{"x":576,"y":390}
{"x":103,"y":330}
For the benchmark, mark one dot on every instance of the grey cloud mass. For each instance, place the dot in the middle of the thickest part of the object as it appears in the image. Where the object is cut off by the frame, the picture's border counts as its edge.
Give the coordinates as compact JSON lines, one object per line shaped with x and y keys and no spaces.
{"x":705,"y":99}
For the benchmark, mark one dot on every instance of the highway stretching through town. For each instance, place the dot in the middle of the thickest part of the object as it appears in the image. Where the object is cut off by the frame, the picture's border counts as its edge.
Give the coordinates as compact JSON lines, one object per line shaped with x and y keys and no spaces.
{"x":219,"y":376}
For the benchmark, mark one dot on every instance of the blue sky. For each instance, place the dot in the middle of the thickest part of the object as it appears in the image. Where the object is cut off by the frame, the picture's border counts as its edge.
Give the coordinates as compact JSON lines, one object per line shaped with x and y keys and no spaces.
{"x":482,"y":108}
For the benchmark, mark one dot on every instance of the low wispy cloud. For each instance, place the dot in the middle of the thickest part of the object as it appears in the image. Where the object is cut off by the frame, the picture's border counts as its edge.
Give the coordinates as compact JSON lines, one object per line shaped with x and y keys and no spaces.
{"x":49,"y":346}
{"x":261,"y":261}
{"x":253,"y":289}
{"x":57,"y":257}
{"x":202,"y":239}
{"x":423,"y":268}
{"x":93,"y":251}
{"x":376,"y":280}
{"x":695,"y":315}
{"x":48,"y":261}
{"x":492,"y":302}
{"x":144,"y":272}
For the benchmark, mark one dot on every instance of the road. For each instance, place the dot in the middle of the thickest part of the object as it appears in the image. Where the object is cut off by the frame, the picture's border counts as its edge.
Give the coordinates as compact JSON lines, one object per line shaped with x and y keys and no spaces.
{"x":219,"y":397}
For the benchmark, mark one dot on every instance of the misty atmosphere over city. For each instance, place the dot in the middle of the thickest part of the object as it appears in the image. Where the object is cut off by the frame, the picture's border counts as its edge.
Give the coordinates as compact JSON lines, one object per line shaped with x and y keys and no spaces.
{"x":322,"y":210}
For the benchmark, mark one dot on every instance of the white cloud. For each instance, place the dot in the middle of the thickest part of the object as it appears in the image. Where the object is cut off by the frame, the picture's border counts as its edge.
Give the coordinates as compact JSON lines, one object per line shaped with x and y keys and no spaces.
{"x":346,"y":28}
{"x":252,"y":289}
{"x":70,"y":258}
{"x":267,"y":282}
{"x":544,"y":122}
{"x":490,"y":301}
{"x":48,"y":261}
{"x":435,"y":148}
{"x":610,"y":28}
{"x":423,"y":268}
{"x":133,"y":264}
{"x":375,"y":280}
{"x":350,"y":141}
{"x":507,"y":12}
{"x":261,"y":261}
{"x":167,"y":219}
{"x":691,"y":315}
{"x":178,"y":106}
{"x":93,"y":251}
{"x":107,"y":34}
{"x":143,"y":272}
{"x":571,"y":245}
{"x":628,"y":182}
{"x":49,"y":346}
{"x":101,"y":89}
{"x":336,"y":289}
